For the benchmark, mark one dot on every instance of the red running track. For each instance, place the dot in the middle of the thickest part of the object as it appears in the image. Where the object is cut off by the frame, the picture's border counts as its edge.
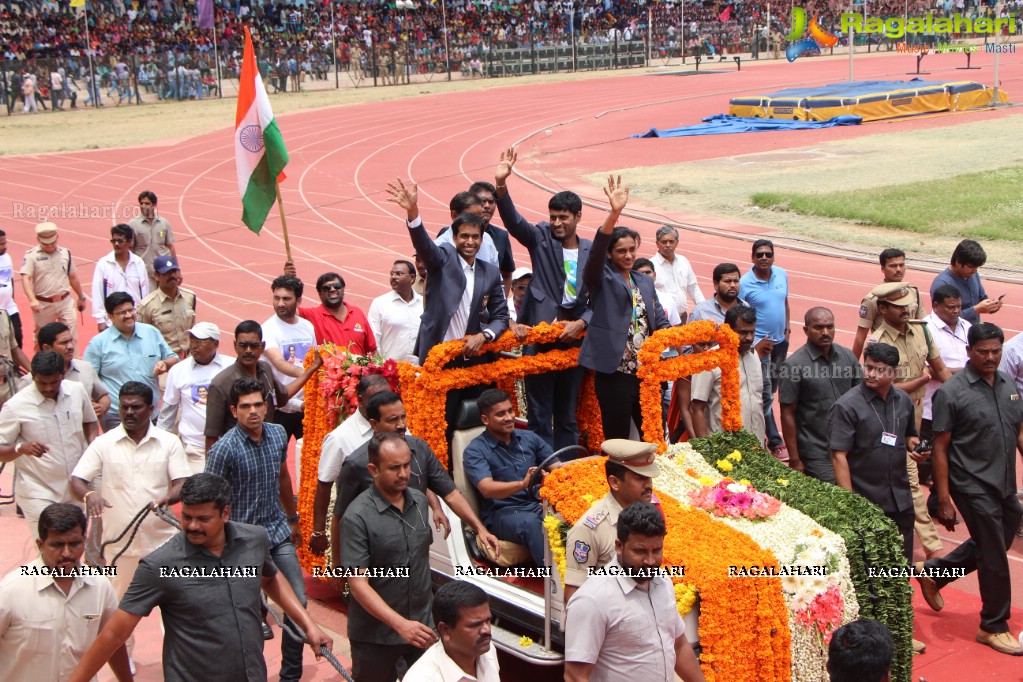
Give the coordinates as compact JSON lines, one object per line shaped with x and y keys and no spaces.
{"x":339,"y":217}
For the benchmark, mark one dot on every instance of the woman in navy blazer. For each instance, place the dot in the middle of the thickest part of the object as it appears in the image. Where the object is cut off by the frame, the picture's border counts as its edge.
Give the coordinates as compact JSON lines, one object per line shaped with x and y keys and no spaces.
{"x":625,"y":312}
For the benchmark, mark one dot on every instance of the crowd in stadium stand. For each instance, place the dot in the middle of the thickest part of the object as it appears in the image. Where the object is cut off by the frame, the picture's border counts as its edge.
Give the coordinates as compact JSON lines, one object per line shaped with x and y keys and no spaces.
{"x":158,"y":47}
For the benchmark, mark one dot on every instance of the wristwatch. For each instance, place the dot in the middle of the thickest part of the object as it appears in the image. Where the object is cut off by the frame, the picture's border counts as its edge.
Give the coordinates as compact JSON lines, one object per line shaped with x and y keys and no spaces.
{"x":489,"y":334}
{"x":293,"y":519}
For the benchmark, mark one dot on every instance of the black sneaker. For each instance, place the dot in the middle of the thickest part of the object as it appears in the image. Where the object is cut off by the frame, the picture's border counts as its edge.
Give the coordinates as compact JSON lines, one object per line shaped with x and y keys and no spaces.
{"x":267,"y":632}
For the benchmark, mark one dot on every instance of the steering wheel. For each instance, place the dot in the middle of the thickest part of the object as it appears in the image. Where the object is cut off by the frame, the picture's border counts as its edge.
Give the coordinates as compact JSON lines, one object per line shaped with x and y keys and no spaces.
{"x":533,"y":485}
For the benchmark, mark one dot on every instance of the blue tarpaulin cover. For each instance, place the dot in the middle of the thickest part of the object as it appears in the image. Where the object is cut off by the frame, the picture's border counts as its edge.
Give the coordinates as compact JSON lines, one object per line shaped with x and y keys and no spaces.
{"x":723,"y":124}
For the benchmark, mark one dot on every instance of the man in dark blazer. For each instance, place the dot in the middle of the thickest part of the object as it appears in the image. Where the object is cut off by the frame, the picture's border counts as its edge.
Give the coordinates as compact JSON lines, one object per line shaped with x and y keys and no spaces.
{"x":456,"y":307}
{"x":556,"y":293}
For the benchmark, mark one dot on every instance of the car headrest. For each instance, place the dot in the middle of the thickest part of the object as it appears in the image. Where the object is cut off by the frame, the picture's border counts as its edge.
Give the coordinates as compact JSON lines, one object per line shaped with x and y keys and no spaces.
{"x":468,"y":415}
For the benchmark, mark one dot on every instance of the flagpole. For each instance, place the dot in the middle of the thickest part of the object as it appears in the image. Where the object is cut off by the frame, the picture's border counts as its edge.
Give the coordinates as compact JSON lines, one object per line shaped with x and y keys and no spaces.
{"x":284,"y":222}
{"x":216,"y":57}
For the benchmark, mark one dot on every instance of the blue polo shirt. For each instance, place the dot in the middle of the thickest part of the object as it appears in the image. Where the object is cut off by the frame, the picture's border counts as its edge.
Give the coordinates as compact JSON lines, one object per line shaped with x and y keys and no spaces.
{"x":971,"y":289}
{"x":118,"y":360}
{"x":487,"y":457}
{"x":768,"y":299}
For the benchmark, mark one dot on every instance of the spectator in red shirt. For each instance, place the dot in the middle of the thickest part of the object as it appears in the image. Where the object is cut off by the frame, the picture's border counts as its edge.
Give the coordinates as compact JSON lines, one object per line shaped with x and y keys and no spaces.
{"x":335,"y":321}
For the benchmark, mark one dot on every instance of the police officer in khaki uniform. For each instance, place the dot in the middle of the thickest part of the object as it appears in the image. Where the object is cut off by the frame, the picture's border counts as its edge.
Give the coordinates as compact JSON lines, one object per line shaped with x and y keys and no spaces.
{"x":11,"y":356}
{"x":153,"y":235}
{"x":630,"y":469}
{"x":919,"y":357}
{"x":893,"y":269}
{"x":49,"y":278}
{"x":170,"y":308}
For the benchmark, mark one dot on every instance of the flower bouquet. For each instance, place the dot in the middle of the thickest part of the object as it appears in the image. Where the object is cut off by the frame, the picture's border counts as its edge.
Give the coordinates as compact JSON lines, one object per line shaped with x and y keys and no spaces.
{"x":340,"y":377}
{"x":737,"y":500}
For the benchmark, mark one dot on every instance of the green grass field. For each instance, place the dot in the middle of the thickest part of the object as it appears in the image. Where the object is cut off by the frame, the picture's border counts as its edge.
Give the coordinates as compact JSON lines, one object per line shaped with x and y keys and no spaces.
{"x":984,"y":205}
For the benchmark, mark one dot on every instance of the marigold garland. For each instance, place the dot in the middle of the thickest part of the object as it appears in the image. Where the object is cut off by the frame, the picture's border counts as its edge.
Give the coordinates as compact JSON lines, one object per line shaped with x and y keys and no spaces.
{"x":556,"y":530}
{"x":744,"y":629}
{"x":317,"y":422}
{"x":654,"y":370}
{"x":423,"y":388}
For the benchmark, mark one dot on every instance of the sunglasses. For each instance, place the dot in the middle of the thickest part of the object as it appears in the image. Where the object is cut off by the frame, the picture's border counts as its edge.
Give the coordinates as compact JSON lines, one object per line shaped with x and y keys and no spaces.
{"x":764,"y":254}
{"x":332,"y":287}
{"x":118,"y":241}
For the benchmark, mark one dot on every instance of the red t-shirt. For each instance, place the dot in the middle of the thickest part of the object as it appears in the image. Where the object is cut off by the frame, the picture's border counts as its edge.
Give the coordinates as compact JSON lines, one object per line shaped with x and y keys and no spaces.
{"x":354,"y":333}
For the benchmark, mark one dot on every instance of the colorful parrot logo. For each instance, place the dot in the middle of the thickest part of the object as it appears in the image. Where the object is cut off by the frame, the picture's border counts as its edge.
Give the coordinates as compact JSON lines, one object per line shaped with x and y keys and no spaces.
{"x":819,"y":38}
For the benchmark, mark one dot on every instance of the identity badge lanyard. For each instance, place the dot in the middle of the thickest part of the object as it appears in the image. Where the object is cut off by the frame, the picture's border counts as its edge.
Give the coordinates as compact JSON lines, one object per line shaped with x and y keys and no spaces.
{"x":887,"y":437}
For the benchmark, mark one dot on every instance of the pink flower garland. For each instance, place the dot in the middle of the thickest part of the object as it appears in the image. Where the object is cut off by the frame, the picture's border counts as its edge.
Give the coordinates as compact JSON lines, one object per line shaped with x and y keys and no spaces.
{"x":735,"y":500}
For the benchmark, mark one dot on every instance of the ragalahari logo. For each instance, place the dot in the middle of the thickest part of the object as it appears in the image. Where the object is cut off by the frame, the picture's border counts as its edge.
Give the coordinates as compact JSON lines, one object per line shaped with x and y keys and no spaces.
{"x":800,"y":46}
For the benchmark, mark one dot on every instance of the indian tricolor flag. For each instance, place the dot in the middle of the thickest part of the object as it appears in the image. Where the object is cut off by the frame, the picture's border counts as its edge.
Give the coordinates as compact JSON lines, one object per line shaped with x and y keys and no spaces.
{"x":258,"y":146}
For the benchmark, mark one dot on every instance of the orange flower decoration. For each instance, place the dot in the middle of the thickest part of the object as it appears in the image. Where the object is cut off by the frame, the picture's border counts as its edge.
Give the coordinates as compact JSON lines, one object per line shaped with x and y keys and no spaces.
{"x":316,"y":424}
{"x":423,"y":388}
{"x":654,"y":370}
{"x":744,"y":627}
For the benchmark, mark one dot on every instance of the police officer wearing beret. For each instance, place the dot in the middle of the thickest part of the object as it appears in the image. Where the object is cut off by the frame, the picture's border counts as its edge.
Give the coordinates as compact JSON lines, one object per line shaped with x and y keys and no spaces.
{"x":893,"y":268}
{"x":630,"y":470}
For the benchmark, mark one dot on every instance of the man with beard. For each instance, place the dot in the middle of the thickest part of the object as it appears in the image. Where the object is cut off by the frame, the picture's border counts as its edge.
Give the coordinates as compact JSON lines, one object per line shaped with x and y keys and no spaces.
{"x":248,"y":346}
{"x":465,"y":651}
{"x":127,"y":351}
{"x":726,"y":294}
{"x":187,"y":392}
{"x":705,"y":405}
{"x":626,"y":604}
{"x":253,"y":457}
{"x":394,"y":317}
{"x":812,"y":379}
{"x":386,"y":414}
{"x":206,"y":580}
{"x":630,"y":469}
{"x":386,"y":527}
{"x":976,"y":422}
{"x":555,"y":294}
{"x":334,"y":321}
{"x":288,"y":337}
{"x":34,"y":597}
{"x":171,"y":308}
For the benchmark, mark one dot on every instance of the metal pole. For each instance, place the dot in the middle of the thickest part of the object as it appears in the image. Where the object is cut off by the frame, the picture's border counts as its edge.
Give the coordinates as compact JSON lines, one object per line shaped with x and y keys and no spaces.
{"x":682,"y":29}
{"x":649,"y":35}
{"x":998,"y":54}
{"x":216,"y":57}
{"x":571,"y":35}
{"x":547,"y":598}
{"x":93,"y":88}
{"x":852,"y":44}
{"x":444,"y":25}
{"x":333,"y":46}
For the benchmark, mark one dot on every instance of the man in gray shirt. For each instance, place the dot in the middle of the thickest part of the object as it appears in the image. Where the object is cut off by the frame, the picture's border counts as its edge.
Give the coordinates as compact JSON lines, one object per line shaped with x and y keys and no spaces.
{"x":387,"y":529}
{"x":812,"y":379}
{"x":726,"y":294}
{"x":206,"y":581}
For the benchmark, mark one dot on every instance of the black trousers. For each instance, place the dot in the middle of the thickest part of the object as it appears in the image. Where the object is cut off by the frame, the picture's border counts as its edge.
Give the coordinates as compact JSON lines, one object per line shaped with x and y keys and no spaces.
{"x":618,"y":395}
{"x":992,"y":522}
{"x":291,"y":421}
{"x":454,"y":398}
{"x":382,"y":662}
{"x":904,"y":521}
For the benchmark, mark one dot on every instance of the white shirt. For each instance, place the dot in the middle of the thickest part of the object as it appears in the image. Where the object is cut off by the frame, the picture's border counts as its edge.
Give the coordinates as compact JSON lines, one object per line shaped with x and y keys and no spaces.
{"x":460,"y":320}
{"x":670,"y":306}
{"x":487,"y":252}
{"x":108,"y":277}
{"x":395,"y":324}
{"x":951,"y":344}
{"x":28,"y":416}
{"x":436,"y":666}
{"x":44,"y":633}
{"x":6,"y":287}
{"x":572,"y":274}
{"x":188,"y":385}
{"x":678,"y":279}
{"x":134,"y":474}
{"x":341,"y":442}
{"x":294,"y":341}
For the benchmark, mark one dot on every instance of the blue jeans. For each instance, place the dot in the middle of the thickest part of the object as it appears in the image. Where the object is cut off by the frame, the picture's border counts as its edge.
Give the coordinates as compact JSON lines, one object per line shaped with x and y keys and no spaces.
{"x":521,"y":526}
{"x":286,"y":558}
